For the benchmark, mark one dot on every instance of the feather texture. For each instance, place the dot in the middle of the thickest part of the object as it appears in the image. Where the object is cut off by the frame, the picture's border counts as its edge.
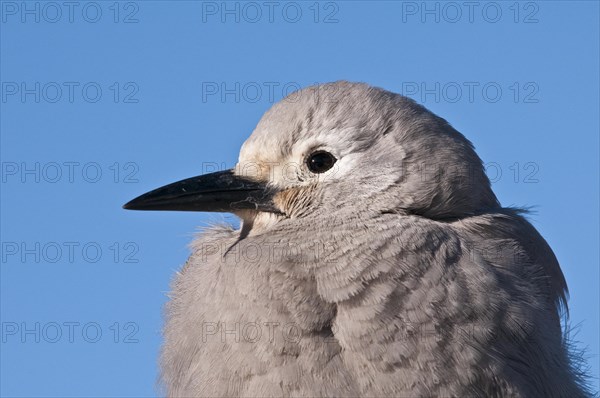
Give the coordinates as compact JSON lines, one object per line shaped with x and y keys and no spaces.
{"x":397,"y":274}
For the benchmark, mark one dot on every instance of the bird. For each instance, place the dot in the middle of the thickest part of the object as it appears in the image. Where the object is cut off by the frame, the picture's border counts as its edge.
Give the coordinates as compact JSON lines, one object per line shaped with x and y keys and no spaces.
{"x":372,"y":259}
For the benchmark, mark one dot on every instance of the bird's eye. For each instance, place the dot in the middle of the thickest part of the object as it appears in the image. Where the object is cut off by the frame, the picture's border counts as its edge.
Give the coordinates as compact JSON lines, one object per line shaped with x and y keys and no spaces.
{"x":320,"y":161}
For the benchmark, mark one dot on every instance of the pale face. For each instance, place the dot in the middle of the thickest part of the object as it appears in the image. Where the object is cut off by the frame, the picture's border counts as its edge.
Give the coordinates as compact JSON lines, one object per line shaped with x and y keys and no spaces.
{"x":312,"y":170}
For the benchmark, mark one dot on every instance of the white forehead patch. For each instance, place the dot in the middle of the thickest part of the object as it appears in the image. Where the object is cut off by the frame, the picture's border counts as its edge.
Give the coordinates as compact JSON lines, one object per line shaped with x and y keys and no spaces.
{"x":263,"y":158}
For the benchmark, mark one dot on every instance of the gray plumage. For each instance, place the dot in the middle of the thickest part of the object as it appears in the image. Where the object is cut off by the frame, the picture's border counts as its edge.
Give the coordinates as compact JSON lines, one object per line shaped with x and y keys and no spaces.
{"x":395,"y":273}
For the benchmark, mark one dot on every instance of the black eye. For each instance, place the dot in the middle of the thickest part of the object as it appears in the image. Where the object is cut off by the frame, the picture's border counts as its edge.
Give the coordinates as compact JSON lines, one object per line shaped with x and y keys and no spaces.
{"x":320,"y":161}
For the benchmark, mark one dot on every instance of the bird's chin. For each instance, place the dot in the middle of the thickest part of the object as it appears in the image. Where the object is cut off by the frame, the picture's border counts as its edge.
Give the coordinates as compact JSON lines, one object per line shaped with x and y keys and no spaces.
{"x":255,"y":222}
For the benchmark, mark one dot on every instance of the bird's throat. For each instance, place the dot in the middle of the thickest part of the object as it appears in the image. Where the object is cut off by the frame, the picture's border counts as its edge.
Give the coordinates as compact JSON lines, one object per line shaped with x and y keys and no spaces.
{"x":256,"y":222}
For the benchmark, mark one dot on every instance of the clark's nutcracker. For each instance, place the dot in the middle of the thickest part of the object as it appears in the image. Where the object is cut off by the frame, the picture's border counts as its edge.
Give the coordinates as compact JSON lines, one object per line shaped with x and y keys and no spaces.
{"x":373,"y":260}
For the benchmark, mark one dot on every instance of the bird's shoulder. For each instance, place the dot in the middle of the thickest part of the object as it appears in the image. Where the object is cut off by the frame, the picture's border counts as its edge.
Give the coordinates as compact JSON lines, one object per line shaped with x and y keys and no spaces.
{"x":507,"y":241}
{"x":439,"y":292}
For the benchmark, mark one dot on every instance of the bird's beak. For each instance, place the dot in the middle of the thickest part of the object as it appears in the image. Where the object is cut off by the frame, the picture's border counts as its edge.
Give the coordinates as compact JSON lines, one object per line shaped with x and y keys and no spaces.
{"x":222,"y":191}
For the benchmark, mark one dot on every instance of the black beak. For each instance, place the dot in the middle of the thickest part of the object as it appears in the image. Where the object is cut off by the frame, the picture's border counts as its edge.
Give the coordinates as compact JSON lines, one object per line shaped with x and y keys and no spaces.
{"x":222,"y":191}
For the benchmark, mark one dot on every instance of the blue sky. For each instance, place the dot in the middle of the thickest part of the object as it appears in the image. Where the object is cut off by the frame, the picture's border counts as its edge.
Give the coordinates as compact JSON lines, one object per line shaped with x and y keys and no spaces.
{"x":102,"y":101}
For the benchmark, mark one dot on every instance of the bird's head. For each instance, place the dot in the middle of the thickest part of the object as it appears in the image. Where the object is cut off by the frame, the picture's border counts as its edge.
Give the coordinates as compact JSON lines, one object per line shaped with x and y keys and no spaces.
{"x":337,"y":146}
